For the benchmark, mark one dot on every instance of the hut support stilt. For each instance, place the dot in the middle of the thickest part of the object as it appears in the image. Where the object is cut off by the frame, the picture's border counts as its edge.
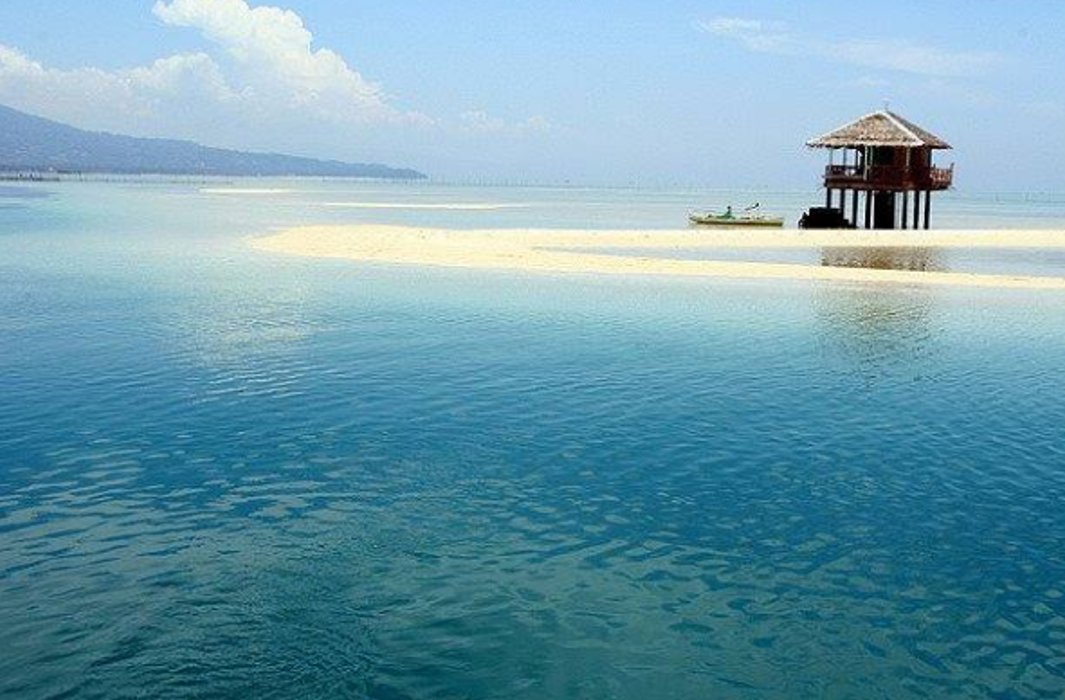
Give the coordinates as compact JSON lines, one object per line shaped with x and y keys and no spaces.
{"x":927,"y":208}
{"x":854,"y":208}
{"x":905,"y":207}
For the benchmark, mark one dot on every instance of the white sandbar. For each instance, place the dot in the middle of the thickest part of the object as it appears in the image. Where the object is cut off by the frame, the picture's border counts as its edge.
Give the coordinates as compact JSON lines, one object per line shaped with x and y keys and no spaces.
{"x":565,"y":251}
{"x":472,"y":206}
{"x":244,"y":190}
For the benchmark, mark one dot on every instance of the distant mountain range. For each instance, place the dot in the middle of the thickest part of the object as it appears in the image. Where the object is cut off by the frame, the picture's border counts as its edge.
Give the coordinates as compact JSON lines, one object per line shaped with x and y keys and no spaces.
{"x":34,"y":144}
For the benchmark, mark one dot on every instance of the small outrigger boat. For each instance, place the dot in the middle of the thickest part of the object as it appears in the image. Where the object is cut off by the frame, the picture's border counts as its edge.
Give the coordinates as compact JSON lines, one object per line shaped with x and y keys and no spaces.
{"x":747,"y":218}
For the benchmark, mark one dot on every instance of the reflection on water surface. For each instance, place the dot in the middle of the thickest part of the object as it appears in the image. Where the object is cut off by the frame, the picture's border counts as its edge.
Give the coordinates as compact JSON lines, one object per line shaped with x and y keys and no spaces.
{"x":886,"y":258}
{"x":224,"y":474}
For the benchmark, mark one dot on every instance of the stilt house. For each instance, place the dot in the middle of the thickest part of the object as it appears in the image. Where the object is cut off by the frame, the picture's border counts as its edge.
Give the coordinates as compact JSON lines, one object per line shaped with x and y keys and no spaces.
{"x":887,"y":158}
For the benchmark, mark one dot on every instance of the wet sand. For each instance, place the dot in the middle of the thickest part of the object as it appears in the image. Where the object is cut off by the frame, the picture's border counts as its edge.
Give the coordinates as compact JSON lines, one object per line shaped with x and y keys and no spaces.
{"x":577,"y":251}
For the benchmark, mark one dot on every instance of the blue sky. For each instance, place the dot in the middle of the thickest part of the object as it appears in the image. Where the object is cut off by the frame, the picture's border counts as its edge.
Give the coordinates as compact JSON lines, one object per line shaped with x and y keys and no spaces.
{"x":714,"y":93}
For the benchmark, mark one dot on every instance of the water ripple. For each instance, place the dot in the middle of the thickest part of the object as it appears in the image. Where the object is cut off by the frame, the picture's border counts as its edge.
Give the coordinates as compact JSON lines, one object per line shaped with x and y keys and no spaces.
{"x":843,"y":501}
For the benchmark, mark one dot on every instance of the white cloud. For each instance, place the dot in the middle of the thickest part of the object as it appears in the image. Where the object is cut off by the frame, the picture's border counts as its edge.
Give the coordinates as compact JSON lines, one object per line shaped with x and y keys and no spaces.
{"x":752,"y":33}
{"x":911,"y":58}
{"x":869,"y":82}
{"x":890,"y":54}
{"x":89,"y":95}
{"x":272,"y":54}
{"x":258,"y":83}
{"x":480,"y":122}
{"x":260,"y":70}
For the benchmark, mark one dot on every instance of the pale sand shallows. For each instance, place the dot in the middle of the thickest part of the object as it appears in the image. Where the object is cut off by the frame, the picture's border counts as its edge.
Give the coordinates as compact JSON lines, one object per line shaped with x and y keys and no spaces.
{"x":472,"y":206}
{"x":564,"y":251}
{"x":244,"y":190}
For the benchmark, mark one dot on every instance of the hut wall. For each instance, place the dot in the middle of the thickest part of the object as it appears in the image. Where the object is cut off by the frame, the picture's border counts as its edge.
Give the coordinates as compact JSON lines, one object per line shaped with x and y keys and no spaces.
{"x":883,"y":155}
{"x":884,"y":210}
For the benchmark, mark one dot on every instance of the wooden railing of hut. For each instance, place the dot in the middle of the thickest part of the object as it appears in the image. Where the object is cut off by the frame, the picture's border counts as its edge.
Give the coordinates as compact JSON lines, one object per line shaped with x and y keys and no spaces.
{"x":888,"y":176}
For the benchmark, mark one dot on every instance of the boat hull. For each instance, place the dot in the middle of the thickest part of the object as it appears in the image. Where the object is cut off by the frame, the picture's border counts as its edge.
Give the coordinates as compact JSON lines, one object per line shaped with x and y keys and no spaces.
{"x":735,"y":221}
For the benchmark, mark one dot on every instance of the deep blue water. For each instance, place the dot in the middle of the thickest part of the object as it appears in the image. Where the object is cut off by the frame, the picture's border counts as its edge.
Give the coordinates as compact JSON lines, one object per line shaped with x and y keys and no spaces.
{"x":231,"y":474}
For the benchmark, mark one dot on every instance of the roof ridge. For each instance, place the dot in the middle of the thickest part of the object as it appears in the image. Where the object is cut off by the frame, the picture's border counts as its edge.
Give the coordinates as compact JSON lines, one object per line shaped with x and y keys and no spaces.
{"x":879,"y":128}
{"x":899,"y":122}
{"x":839,"y":128}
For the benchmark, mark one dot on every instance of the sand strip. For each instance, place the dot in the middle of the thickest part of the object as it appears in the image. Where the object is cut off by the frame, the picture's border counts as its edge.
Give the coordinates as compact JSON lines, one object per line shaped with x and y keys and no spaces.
{"x":472,"y":206}
{"x":244,"y":190}
{"x":564,"y":251}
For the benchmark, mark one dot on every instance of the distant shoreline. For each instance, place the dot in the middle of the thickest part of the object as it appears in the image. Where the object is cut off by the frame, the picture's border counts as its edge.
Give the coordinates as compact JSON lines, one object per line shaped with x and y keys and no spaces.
{"x":185,"y":178}
{"x":33,"y":147}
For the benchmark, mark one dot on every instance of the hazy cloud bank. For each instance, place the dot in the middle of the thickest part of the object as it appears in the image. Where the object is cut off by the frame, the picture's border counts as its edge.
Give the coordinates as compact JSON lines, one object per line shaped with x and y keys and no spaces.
{"x":890,"y":54}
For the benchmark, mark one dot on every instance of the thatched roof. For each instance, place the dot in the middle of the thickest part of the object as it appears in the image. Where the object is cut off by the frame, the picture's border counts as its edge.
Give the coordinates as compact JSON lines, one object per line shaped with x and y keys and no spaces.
{"x":881,"y":128}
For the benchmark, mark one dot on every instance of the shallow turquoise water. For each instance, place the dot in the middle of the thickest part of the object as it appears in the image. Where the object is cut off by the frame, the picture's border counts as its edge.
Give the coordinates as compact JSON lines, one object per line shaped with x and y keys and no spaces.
{"x":225,"y":473}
